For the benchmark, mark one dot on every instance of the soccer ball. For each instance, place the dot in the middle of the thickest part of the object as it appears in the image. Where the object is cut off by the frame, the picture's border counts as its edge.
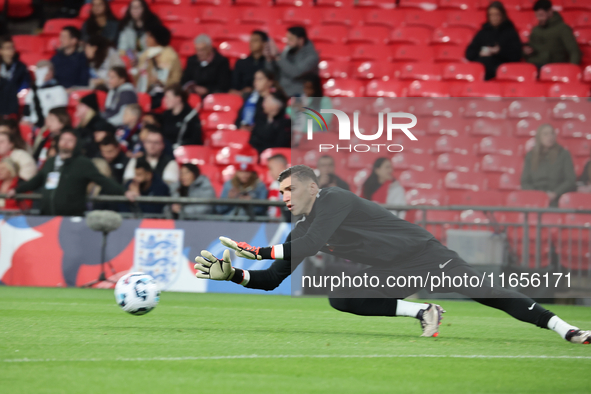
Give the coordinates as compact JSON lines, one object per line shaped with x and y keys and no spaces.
{"x":137,"y":293}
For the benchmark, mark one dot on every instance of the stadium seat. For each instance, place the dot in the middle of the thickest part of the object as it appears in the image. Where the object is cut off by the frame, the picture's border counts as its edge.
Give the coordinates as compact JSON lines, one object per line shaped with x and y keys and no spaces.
{"x":508,"y":182}
{"x":435,"y":107}
{"x":575,"y":129}
{"x":575,"y":200}
{"x":527,"y":127}
{"x":454,"y":127}
{"x":430,"y":20}
{"x":25,"y":43}
{"x":412,"y":53}
{"x":344,"y":88}
{"x":587,"y":74}
{"x":334,"y":69}
{"x":18,"y":8}
{"x":560,"y":72}
{"x":524,"y":89}
{"x":219,"y":120}
{"x":145,"y":101}
{"x":388,"y":18}
{"x":370,"y":52}
{"x":340,"y":16}
{"x":375,"y":35}
{"x":570,"y":109}
{"x":564,"y":90}
{"x":534,"y":108}
{"x":428,"y":89}
{"x":301,"y":16}
{"x":502,"y":146}
{"x":230,"y":33}
{"x":422,"y":196}
{"x":53,"y":27}
{"x":577,"y":19}
{"x":229,"y":155}
{"x":426,"y":5}
{"x":455,"y":162}
{"x":412,"y":161}
{"x":358,"y":160}
{"x":469,"y":19}
{"x":390,"y":88}
{"x":222,"y":102}
{"x":503,"y":164}
{"x":461,"y":36}
{"x":575,"y":248}
{"x":576,"y":5}
{"x":583,"y":36}
{"x":482,"y":198}
{"x":462,"y":145}
{"x":411,"y":179}
{"x":380,"y":4}
{"x":292,"y":3}
{"x":517,"y":72}
{"x":455,"y":180}
{"x":328,"y":34}
{"x":233,"y":50}
{"x":195,"y":154}
{"x":233,"y":138}
{"x":212,"y":172}
{"x":477,"y":89}
{"x":470,"y":72}
{"x":491,"y":128}
{"x":420,"y":71}
{"x":410,"y":35}
{"x":373,"y":70}
{"x":178,"y":13}
{"x":270,"y":152}
{"x":490,"y":108}
{"x":259,"y":16}
{"x":447,"y":54}
{"x":334,"y":52}
{"x":528,"y":199}
{"x":580,"y":148}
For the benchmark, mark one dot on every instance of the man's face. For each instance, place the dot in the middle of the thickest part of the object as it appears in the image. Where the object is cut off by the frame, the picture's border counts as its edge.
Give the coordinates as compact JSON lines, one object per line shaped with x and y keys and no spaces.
{"x":298,"y":196}
{"x":98,"y":7}
{"x":113,"y":80}
{"x":67,"y":144}
{"x":256,"y":43}
{"x":275,"y":167}
{"x":109,"y":152}
{"x":66,"y":40}
{"x":5,"y":145}
{"x":292,"y":40}
{"x":142,"y":176}
{"x":7,"y":51}
{"x":203,"y":51}
{"x":326,"y":166}
{"x":154,"y":144}
{"x":543,"y":16}
{"x":129,"y":118}
{"x":170,"y":100}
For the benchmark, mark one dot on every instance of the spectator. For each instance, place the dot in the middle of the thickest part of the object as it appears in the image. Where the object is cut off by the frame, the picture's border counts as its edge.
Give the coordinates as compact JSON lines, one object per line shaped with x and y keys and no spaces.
{"x":128,"y":133}
{"x":46,"y":94}
{"x":196,"y":185}
{"x":180,"y":123}
{"x":147,"y":183}
{"x":327,"y":176}
{"x":245,"y":69}
{"x":207,"y":71}
{"x":91,"y":127}
{"x":14,"y":77}
{"x":114,"y":156}
{"x":121,"y":93}
{"x":132,"y":28}
{"x":64,"y":179}
{"x":383,"y":188}
{"x":314,"y":98}
{"x":584,"y":180}
{"x":101,"y":58}
{"x":44,"y":145}
{"x":70,"y":64}
{"x":245,"y":185}
{"x":11,"y":127}
{"x":24,"y":161}
{"x":101,"y":22}
{"x":496,"y":43}
{"x":298,"y":59}
{"x":159,"y":65}
{"x":165,"y":167}
{"x":276,"y":164}
{"x":548,"y":166}
{"x":275,"y":130}
{"x":252,"y":109}
{"x":8,"y":181}
{"x":552,"y":41}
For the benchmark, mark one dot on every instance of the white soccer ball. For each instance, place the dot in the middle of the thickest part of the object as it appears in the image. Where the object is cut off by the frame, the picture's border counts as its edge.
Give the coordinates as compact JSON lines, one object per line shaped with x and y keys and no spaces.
{"x":137,"y":293}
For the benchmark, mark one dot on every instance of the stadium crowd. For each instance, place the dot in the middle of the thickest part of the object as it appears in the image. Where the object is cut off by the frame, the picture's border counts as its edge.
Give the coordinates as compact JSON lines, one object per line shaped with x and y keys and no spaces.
{"x":139,"y":99}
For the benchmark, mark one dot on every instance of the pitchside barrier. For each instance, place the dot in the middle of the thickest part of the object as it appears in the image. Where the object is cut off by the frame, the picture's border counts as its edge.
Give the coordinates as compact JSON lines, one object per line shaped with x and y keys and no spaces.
{"x":523,"y":246}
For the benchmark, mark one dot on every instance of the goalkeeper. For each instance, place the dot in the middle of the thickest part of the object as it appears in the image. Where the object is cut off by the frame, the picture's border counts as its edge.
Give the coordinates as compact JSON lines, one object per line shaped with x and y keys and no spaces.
{"x":340,"y":223}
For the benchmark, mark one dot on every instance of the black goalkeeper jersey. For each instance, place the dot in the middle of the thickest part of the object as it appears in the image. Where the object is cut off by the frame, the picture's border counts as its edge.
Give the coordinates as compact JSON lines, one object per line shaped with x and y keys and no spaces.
{"x":348,"y":226}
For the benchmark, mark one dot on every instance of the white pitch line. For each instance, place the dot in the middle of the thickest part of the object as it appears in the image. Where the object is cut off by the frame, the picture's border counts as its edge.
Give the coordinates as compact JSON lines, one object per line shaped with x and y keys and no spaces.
{"x":287,"y":356}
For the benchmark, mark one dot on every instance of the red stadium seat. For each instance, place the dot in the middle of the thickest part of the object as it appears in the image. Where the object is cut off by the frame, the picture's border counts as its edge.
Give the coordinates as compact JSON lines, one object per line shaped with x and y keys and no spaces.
{"x":575,"y":200}
{"x":509,"y":182}
{"x":455,"y":162}
{"x":517,"y":72}
{"x":427,"y":5}
{"x":374,"y":35}
{"x":447,"y":54}
{"x":430,"y":20}
{"x":477,"y":89}
{"x":576,"y":19}
{"x":527,"y":127}
{"x":504,"y":164}
{"x":358,"y":160}
{"x":195,"y":154}
{"x":422,"y":196}
{"x":53,"y":27}
{"x":435,"y":107}
{"x":344,"y":88}
{"x":456,"y":180}
{"x":420,"y":71}
{"x":428,"y":89}
{"x":28,"y":43}
{"x":219,"y":121}
{"x":229,"y":155}
{"x":587,"y":74}
{"x":412,"y":53}
{"x":410,"y":179}
{"x":233,"y":50}
{"x":560,"y":72}
{"x":386,"y":89}
{"x":232,"y":138}
{"x":18,"y":8}
{"x":334,"y":52}
{"x":370,"y":52}
{"x":456,"y":5}
{"x":230,"y":33}
{"x":576,"y":5}
{"x":579,"y":148}
{"x":528,"y":199}
{"x":534,"y":108}
{"x":575,"y":248}
{"x":380,"y":4}
{"x":222,"y":102}
{"x":470,"y":19}
{"x":212,"y":172}
{"x":292,"y":3}
{"x":259,"y":16}
{"x":524,"y":89}
{"x":485,"y":108}
{"x":334,"y":69}
{"x":502,"y":146}
{"x":462,"y":145}
{"x":470,"y":72}
{"x":388,"y":18}
{"x":583,"y":36}
{"x":488,"y":198}
{"x":178,"y":13}
{"x":328,"y":34}
{"x":341,"y":16}
{"x":454,"y":127}
{"x":575,"y":129}
{"x":410,"y":35}
{"x":568,"y":109}
{"x":373,"y":70}
{"x":302,"y":16}
{"x":461,"y":36}
{"x":145,"y":101}
{"x":562,"y":90}
{"x":492,"y":128}
{"x":412,"y":161}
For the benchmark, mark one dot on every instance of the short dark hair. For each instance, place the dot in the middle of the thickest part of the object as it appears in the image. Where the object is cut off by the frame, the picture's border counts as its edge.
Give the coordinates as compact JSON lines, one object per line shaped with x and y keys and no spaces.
{"x":299,"y":32}
{"x":5,"y":39}
{"x":152,"y":128}
{"x":109,"y":140}
{"x":178,"y":91}
{"x":160,"y":33}
{"x":121,"y":72}
{"x":68,"y":131}
{"x":299,"y":171}
{"x":74,"y":32}
{"x":193,"y":168}
{"x":142,"y":163}
{"x":326,"y":157}
{"x":264,"y":36}
{"x":545,"y":5}
{"x":278,"y":156}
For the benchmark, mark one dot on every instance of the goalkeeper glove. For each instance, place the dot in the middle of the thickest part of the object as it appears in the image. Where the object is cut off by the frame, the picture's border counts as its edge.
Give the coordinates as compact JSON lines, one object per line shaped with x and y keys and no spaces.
{"x":212,"y":268}
{"x":243,"y":249}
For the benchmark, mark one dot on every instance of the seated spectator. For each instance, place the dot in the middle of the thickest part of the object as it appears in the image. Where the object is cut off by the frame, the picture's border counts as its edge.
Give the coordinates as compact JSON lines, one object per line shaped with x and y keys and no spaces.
{"x":164,"y":165}
{"x":132,"y":28}
{"x":314,"y":98}
{"x":14,"y":77}
{"x":196,"y":185}
{"x":496,"y":43}
{"x":91,"y":123}
{"x":101,"y":58}
{"x":45,"y":94}
{"x":101,"y":22}
{"x":70,"y":64}
{"x":327,"y":176}
{"x":159,"y":65}
{"x":8,"y":181}
{"x":180,"y":123}
{"x":64,"y":179}
{"x":9,"y":149}
{"x":584,"y":181}
{"x":11,"y":127}
{"x":383,"y":188}
{"x":245,"y":185}
{"x":252,"y":109}
{"x":297,"y":59}
{"x":275,"y":130}
{"x":128,"y":133}
{"x":121,"y":93}
{"x":44,"y":146}
{"x":114,"y":156}
{"x":276,"y":165}
{"x":548,"y":166}
{"x":552,"y":41}
{"x":147,"y":183}
{"x":244,"y":69}
{"x":207,"y":71}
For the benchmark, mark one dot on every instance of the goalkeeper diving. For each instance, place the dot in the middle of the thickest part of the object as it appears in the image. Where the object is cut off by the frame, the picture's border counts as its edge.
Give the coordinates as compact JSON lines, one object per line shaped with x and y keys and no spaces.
{"x":340,"y":223}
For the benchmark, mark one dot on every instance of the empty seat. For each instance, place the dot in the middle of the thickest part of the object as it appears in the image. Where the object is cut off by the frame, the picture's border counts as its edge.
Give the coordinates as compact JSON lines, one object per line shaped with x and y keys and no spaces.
{"x":527,"y":127}
{"x":493,"y":128}
{"x":340,"y":16}
{"x":456,"y":162}
{"x":381,"y":4}
{"x":502,"y":146}
{"x":528,"y":199}
{"x":524,"y":89}
{"x":455,"y":180}
{"x":423,"y":196}
{"x":428,"y":89}
{"x":462,"y":145}
{"x":488,"y":198}
{"x":195,"y":154}
{"x":412,"y":161}
{"x":583,"y":36}
{"x":560,"y":72}
{"x":179,"y":13}
{"x":259,"y":16}
{"x":575,"y":129}
{"x":517,"y":72}
{"x":410,"y":35}
{"x":477,"y":89}
{"x":28,"y":43}
{"x":427,"y":5}
{"x":390,"y":88}
{"x":230,"y":32}
{"x":334,"y":69}
{"x":232,"y":138}
{"x":489,"y":108}
{"x":508,"y":182}
{"x":430,"y":20}
{"x":570,"y":109}
{"x":334,"y":52}
{"x":436,"y":107}
{"x":371,"y":52}
{"x":469,"y":19}
{"x":388,"y":18}
{"x":328,"y":34}
{"x":358,"y":160}
{"x":412,"y":53}
{"x":461,"y":36}
{"x":577,"y":19}
{"x":411,"y":179}
{"x":564,"y":90}
{"x":503,"y":164}
{"x":373,"y":70}
{"x":534,"y":108}
{"x":219,"y":120}
{"x":222,"y":102}
{"x":420,"y":71}
{"x":228,"y":16}
{"x":575,"y":247}
{"x":575,"y":200}
{"x":375,"y":35}
{"x":303,"y":16}
{"x":470,"y":72}
{"x":229,"y":155}
{"x":344,"y":88}
{"x":233,"y":50}
{"x":455,"y":127}
{"x":445,"y":54}
{"x":53,"y":27}
{"x":576,"y":5}
{"x":580,"y":148}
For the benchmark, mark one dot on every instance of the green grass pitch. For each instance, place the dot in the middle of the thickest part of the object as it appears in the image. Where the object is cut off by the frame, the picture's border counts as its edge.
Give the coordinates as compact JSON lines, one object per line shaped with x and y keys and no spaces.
{"x":79,"y":341}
